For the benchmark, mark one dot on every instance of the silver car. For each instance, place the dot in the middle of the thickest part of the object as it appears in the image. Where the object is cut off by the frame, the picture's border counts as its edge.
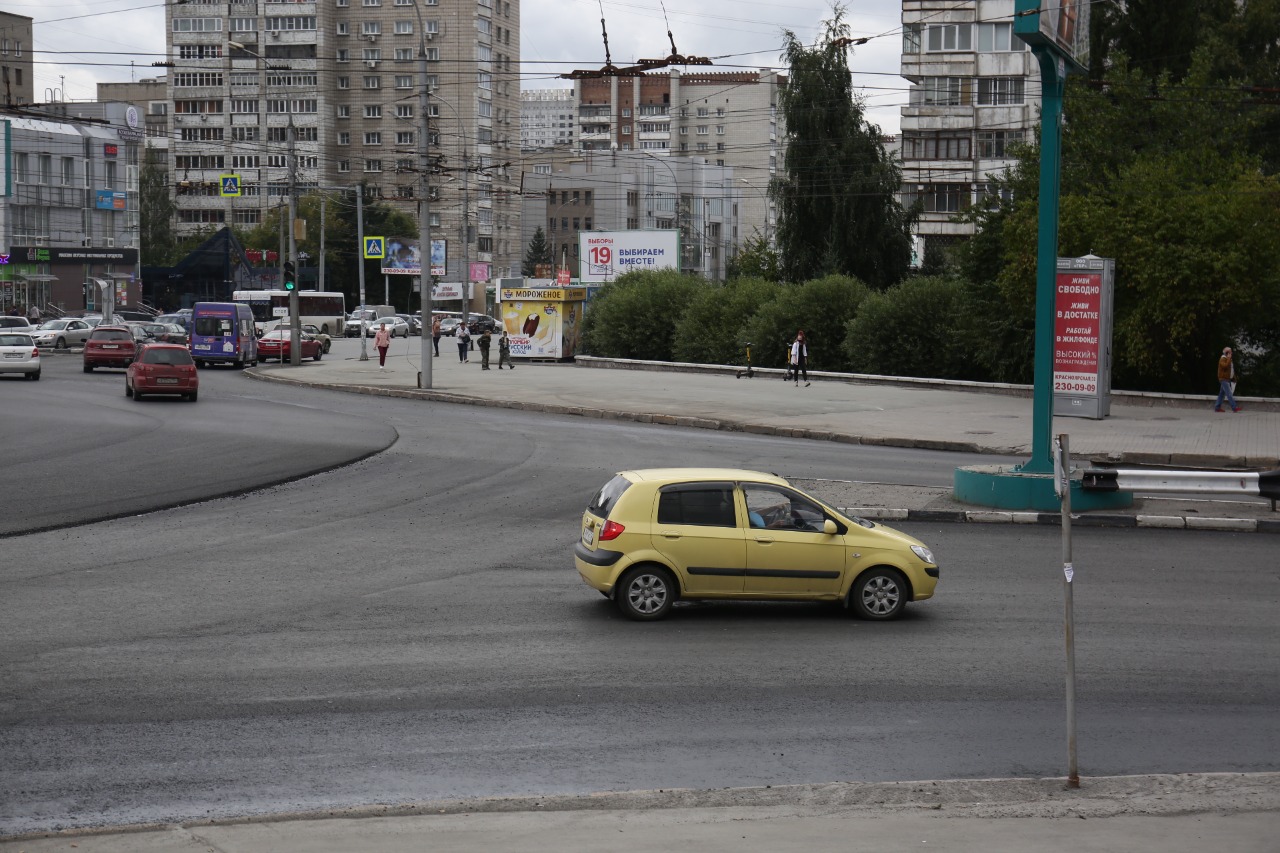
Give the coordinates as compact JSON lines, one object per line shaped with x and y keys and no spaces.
{"x":19,"y":354}
{"x":62,"y":333}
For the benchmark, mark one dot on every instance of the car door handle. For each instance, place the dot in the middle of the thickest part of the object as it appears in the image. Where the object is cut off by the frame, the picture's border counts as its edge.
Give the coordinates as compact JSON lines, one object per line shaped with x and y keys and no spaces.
{"x":671,"y":536}
{"x":764,"y":541}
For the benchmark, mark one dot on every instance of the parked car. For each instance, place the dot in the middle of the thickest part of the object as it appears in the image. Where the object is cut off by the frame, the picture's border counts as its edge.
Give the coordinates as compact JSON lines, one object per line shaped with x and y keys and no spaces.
{"x":276,"y":345}
{"x":62,"y":333}
{"x":415,"y":323}
{"x":110,"y":346}
{"x":182,"y":318}
{"x":649,"y":537}
{"x":16,"y":324}
{"x":483,"y":323}
{"x":19,"y":354}
{"x":162,"y":369}
{"x":449,"y":326}
{"x":397,"y":326}
{"x":174,"y":333}
{"x":311,"y":329}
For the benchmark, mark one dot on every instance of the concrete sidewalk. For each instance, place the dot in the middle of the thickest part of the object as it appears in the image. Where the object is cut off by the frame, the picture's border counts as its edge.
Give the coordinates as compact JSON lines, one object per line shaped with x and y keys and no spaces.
{"x":1188,"y":813}
{"x":964,"y":417}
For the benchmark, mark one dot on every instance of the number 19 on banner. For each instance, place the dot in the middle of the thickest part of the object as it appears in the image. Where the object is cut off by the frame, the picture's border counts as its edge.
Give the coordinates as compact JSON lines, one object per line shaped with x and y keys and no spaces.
{"x":601,"y":256}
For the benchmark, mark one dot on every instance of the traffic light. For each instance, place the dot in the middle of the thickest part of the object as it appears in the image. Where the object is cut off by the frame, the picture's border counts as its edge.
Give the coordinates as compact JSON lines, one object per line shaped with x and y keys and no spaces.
{"x":290,"y":281}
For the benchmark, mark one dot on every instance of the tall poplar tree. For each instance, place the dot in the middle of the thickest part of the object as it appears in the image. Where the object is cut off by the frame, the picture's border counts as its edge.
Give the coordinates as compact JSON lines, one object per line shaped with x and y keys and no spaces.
{"x":838,"y":211}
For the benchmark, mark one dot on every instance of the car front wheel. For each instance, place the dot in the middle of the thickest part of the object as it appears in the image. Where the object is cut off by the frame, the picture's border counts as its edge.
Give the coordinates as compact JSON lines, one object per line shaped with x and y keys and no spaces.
{"x":879,"y":594}
{"x":645,"y":593}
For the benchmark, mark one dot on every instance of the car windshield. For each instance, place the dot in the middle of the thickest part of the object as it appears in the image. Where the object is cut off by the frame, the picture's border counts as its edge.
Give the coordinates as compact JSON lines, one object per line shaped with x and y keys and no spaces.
{"x":53,"y":325}
{"x":15,"y":341}
{"x":165,"y":355}
{"x":608,"y":496}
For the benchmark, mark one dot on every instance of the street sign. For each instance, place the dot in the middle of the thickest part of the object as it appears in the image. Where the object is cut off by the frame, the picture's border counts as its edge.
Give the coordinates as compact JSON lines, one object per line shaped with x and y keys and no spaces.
{"x":230,"y":185}
{"x":375,"y":247}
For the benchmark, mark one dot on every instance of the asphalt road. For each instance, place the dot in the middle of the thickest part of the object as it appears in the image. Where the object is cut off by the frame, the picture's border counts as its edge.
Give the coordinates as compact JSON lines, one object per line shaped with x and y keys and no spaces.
{"x":410,"y":627}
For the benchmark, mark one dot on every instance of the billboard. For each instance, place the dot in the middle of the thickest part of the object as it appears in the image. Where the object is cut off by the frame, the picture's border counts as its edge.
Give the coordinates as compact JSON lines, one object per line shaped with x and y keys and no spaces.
{"x":1083,"y":290}
{"x":1063,"y":24}
{"x":605,"y":255}
{"x":404,"y":258}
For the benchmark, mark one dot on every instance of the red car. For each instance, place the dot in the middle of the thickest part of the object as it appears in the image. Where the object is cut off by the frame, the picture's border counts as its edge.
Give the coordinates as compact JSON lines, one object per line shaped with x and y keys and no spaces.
{"x":276,"y":345}
{"x":110,"y":346}
{"x":162,"y":369}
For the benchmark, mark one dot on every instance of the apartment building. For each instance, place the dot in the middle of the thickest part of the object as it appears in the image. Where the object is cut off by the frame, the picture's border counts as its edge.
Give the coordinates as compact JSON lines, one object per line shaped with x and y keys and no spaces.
{"x":975,"y":90}
{"x":546,"y":118}
{"x":151,"y":98}
{"x":17,"y":84}
{"x":342,"y":78}
{"x":70,"y":220}
{"x":636,"y":190}
{"x":728,"y":119}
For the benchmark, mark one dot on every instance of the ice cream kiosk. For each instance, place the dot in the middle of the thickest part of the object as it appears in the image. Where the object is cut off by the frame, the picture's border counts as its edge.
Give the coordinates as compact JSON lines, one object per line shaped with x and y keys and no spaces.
{"x":542,"y":321}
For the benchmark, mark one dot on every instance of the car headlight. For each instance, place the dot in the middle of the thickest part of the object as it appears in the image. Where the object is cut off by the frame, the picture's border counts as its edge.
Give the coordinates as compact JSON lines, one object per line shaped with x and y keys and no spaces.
{"x":923,"y":553}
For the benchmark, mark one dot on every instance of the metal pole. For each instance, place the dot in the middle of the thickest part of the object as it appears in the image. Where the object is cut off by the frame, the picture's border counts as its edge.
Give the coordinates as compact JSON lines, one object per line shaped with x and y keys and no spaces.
{"x":386,"y":289}
{"x":323,"y":197}
{"x":295,"y":318}
{"x":1069,"y":629}
{"x":424,"y":204}
{"x":364,"y":353}
{"x":466,"y":233}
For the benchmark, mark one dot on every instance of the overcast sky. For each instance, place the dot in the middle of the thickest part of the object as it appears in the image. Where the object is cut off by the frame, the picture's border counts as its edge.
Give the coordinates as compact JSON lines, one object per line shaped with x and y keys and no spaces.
{"x":79,"y":43}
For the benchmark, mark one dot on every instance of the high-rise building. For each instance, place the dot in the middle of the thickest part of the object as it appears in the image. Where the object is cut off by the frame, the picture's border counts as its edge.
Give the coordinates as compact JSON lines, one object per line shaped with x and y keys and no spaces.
{"x":725,"y":118}
{"x":16,"y":84}
{"x":975,"y":90}
{"x":342,"y":78}
{"x":546,"y":118}
{"x":151,"y":98}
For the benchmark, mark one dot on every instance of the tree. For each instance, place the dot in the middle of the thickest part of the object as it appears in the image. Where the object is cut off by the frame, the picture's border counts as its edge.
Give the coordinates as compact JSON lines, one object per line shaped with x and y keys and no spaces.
{"x":838,"y":211}
{"x":636,"y":315}
{"x":713,"y":327}
{"x":539,"y":252}
{"x":157,"y":243}
{"x":912,"y":329}
{"x":822,"y":307}
{"x":755,"y":259}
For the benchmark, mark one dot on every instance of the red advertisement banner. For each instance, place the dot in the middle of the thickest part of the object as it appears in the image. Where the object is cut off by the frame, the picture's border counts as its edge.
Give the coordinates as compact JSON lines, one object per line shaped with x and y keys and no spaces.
{"x":1077,"y":330}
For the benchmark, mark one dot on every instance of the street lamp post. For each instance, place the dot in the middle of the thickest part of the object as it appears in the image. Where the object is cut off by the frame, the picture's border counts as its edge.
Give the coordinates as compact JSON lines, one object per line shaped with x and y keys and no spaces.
{"x":295,"y":320}
{"x":676,"y":209}
{"x":424,"y":205}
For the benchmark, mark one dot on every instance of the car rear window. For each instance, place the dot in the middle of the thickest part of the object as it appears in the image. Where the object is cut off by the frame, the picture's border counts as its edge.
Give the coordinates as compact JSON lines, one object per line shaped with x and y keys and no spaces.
{"x":707,"y":504}
{"x":13,"y":322}
{"x":15,"y":341}
{"x":608,"y":495}
{"x":154,"y":355}
{"x":110,"y":335}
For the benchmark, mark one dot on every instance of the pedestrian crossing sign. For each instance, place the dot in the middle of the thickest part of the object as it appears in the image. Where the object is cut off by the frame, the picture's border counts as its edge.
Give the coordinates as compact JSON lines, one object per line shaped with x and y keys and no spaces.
{"x":375,"y":247}
{"x":230,"y":185}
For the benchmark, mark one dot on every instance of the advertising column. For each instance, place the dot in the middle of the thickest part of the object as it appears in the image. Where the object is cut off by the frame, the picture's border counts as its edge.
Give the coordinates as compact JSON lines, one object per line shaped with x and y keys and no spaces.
{"x":1082,"y":337}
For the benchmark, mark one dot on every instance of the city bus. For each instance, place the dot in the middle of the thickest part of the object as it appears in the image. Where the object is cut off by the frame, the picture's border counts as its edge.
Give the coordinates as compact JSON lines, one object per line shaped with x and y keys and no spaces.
{"x":325,"y":309}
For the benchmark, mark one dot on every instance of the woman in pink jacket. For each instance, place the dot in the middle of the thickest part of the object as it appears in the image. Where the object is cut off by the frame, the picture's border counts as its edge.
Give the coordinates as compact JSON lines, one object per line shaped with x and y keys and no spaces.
{"x":382,"y":340}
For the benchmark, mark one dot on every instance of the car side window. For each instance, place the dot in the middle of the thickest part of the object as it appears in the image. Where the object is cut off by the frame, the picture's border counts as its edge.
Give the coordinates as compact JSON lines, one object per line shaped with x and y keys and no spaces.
{"x":706,"y":504}
{"x":776,"y":508}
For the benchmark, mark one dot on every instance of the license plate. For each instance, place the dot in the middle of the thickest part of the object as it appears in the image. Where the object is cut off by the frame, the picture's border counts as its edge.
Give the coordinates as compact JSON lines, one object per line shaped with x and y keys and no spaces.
{"x":111,"y":346}
{"x":588,"y":535}
{"x":166,"y":380}
{"x":14,"y":354}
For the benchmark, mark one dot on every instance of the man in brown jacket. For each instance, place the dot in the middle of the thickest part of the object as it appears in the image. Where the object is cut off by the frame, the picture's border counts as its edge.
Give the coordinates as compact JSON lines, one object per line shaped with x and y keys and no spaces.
{"x":1226,"y":375}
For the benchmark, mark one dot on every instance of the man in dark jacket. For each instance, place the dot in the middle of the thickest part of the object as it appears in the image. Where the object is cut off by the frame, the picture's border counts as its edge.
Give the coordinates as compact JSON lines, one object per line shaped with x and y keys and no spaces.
{"x":486,"y":338}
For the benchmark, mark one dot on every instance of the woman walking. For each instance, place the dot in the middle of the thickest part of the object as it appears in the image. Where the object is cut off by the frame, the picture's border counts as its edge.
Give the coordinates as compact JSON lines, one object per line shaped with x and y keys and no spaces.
{"x":464,"y":342}
{"x":382,"y":341}
{"x":800,"y":358}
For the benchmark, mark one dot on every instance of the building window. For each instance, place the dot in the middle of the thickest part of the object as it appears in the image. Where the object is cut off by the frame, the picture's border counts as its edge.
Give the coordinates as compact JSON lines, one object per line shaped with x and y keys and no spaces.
{"x":702,"y":112}
{"x":372,"y":81}
{"x":1000,"y":91}
{"x":373,"y":137}
{"x":404,"y":137}
{"x":344,"y":165}
{"x":242,"y":25}
{"x":343,"y":55}
{"x":998,"y":37}
{"x":373,"y":165}
{"x":945,"y":91}
{"x":404,"y":81}
{"x":343,"y":111}
{"x":291,"y":23}
{"x":344,"y":82}
{"x":404,"y":28}
{"x":197,"y":25}
{"x":371,"y":28}
{"x":403,"y":54}
{"x":404,"y":111}
{"x":344,"y":137}
{"x":343,"y":29}
{"x":935,"y":146}
{"x":943,"y":37}
{"x":373,"y":111}
{"x":994,"y":143}
{"x":940,"y":198}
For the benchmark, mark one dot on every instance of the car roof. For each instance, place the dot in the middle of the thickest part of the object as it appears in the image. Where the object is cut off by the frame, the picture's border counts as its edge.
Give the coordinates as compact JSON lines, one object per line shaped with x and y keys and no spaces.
{"x":687,"y":475}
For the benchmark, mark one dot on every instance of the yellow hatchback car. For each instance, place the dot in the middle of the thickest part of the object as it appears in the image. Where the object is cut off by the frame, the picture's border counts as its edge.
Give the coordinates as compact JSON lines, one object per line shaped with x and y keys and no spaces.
{"x":652,"y":536}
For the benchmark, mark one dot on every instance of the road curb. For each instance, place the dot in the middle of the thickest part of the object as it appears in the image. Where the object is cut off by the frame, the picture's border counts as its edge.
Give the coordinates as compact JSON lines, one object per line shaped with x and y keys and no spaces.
{"x":984,"y":516}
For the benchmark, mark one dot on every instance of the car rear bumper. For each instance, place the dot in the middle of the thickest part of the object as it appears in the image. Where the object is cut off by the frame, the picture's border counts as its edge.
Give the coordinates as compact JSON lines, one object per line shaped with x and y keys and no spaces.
{"x":20,"y":366}
{"x":109,"y":361}
{"x":599,"y":568}
{"x":184,"y":386}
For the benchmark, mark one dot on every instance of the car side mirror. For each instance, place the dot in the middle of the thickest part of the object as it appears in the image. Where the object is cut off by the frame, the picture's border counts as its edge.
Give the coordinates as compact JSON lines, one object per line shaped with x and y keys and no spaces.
{"x":829,"y":527}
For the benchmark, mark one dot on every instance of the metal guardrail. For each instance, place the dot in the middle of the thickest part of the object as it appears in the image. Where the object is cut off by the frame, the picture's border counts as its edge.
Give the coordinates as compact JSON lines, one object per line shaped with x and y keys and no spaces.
{"x":1258,"y":483}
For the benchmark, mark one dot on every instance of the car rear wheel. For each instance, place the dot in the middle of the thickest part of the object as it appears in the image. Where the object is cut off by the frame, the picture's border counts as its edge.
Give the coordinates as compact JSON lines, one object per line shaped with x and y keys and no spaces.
{"x":137,"y":395}
{"x":88,"y":368}
{"x":193,"y":395}
{"x":35,"y":376}
{"x":879,"y":594}
{"x":645,"y":593}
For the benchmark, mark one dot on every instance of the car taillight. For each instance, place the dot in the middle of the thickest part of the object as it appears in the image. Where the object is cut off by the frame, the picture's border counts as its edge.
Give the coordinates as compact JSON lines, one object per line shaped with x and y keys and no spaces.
{"x":35,"y":352}
{"x":611,"y":530}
